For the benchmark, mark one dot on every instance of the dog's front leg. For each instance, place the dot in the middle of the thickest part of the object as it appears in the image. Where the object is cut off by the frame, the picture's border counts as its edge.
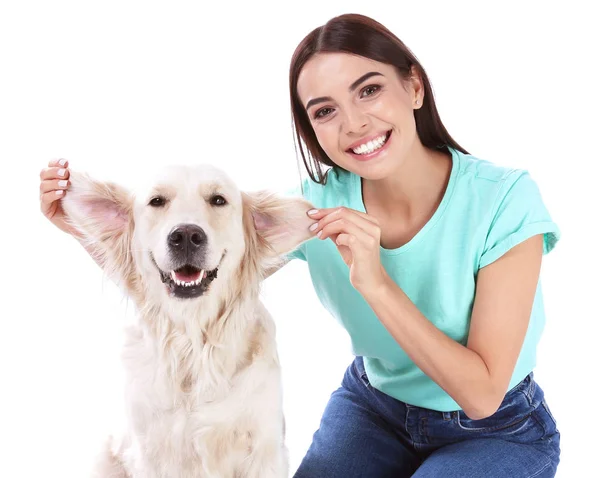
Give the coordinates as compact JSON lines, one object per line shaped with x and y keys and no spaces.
{"x":108,"y":464}
{"x":268,"y":462}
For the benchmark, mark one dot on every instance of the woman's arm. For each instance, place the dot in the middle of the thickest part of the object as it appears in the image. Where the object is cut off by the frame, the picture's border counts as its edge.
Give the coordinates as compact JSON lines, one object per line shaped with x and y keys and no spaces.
{"x":477,"y":375}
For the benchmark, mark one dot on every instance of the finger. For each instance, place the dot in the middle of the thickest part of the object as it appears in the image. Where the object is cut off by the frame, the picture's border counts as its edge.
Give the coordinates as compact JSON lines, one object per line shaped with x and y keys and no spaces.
{"x":349,"y":215}
{"x":50,"y":197}
{"x":54,"y":173}
{"x":342,"y":226}
{"x":347,"y":240}
{"x":343,"y":246}
{"x":318,"y":214}
{"x":49,"y":185}
{"x":58,"y":163}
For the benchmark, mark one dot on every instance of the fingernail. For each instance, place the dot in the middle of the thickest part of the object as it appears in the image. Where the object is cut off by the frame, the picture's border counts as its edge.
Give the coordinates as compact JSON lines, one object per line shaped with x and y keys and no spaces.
{"x":62,"y":162}
{"x":61,"y":172}
{"x":63,"y":183}
{"x":60,"y":192}
{"x":312,"y":212}
{"x":313,"y":226}
{"x":319,"y":233}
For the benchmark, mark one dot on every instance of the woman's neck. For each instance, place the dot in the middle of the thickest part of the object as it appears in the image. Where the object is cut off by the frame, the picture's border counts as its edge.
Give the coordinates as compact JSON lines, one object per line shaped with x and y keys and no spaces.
{"x":414,"y":191}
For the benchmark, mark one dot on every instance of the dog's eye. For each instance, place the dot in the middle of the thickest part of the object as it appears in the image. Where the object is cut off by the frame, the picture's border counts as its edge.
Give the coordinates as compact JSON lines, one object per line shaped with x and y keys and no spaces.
{"x":157,"y":201}
{"x":218,"y":200}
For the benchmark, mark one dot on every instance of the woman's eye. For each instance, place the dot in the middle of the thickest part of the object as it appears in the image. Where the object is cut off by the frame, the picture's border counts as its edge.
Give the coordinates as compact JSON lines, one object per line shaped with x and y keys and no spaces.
{"x":369,"y":90}
{"x":323,"y":112}
{"x":218,"y":200}
{"x":157,"y":201}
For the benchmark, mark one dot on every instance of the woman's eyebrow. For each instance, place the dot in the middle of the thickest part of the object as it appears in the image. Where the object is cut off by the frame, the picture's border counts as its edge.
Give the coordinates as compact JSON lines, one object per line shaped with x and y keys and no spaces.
{"x":365,"y":77}
{"x":353,"y":86}
{"x":320,"y":99}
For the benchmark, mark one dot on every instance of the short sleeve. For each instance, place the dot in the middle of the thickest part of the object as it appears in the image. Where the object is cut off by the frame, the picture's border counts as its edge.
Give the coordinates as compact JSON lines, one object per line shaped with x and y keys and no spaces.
{"x":297,"y":191}
{"x":519,"y":214}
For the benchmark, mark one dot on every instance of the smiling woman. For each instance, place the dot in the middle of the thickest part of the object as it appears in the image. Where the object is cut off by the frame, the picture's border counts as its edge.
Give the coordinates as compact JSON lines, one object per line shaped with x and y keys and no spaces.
{"x":372,"y":73}
{"x":430,"y":258}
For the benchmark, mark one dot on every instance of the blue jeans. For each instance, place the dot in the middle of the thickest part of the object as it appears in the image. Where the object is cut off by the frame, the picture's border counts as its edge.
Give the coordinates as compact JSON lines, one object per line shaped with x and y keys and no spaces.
{"x":368,"y":434}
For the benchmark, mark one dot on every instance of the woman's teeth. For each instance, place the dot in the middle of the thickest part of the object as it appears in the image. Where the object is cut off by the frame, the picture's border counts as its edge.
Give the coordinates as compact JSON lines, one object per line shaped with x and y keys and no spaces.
{"x":371,"y":146}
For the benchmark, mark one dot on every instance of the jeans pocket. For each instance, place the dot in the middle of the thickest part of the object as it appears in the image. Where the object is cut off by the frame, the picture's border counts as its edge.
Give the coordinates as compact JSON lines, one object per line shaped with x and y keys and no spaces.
{"x":495,"y":423}
{"x":514,"y":410}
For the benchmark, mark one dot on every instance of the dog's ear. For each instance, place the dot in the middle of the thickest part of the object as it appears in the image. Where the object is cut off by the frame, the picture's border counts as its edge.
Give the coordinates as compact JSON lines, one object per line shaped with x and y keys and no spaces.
{"x":281,"y":222}
{"x":102,"y":214}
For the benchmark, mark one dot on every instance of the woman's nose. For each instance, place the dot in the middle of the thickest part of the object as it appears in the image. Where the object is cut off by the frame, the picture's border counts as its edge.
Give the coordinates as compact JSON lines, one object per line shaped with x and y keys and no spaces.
{"x":355,"y":121}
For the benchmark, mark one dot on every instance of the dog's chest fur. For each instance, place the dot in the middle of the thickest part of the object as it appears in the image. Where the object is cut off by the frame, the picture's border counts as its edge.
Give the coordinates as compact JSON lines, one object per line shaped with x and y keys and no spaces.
{"x":195,"y":404}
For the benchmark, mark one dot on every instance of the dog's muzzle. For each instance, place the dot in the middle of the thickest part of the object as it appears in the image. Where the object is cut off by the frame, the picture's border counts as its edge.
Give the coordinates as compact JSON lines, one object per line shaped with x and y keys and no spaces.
{"x":187,"y":244}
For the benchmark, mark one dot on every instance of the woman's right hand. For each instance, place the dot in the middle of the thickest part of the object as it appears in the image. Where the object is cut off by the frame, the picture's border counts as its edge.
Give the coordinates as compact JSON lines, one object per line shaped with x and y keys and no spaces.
{"x":53,"y":186}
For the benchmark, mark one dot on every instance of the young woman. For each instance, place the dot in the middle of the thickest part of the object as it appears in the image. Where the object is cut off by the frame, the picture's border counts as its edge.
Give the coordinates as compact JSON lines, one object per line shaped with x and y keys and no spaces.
{"x":428,"y":256}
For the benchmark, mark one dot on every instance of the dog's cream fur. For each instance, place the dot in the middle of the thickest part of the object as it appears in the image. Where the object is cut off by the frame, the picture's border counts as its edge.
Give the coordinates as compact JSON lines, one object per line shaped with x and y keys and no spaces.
{"x":203,"y":389}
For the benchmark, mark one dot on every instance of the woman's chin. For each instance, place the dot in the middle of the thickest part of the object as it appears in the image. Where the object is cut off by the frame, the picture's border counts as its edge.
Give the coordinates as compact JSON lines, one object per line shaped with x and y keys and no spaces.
{"x":372,"y":171}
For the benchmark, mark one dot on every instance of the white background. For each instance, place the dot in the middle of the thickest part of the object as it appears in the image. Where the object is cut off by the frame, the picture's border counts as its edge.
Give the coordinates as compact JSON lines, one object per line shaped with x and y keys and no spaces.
{"x":118,"y":87}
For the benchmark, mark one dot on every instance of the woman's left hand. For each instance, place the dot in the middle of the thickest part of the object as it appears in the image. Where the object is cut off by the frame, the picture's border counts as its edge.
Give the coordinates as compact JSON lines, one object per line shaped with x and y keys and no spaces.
{"x":357,"y":237}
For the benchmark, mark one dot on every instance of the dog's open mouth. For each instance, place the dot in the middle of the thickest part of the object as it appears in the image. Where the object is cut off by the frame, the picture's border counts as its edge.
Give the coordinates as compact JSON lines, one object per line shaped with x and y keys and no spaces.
{"x":189,"y":276}
{"x":188,"y":281}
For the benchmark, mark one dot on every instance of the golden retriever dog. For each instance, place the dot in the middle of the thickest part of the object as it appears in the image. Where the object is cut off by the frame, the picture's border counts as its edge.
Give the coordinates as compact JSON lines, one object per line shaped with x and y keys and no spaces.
{"x":203,"y":390}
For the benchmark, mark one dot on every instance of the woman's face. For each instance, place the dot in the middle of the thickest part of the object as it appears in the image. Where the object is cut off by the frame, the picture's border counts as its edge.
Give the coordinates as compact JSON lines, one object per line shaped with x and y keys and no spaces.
{"x":361,"y":112}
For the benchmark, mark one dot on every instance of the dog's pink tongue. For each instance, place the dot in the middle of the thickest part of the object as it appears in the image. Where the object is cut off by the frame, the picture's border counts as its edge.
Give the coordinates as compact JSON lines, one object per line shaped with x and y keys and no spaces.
{"x":185,"y":276}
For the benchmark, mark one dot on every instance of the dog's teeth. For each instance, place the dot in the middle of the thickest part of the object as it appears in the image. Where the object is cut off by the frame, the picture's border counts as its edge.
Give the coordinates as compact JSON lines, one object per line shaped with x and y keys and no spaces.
{"x":183,"y":283}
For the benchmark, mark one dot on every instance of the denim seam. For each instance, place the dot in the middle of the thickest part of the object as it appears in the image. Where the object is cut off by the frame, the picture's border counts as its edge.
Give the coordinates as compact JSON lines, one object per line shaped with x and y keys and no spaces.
{"x":537,"y":473}
{"x":529,"y":392}
{"x":541,"y":424}
{"x":412,"y":439}
{"x":545,"y":405}
{"x":361,"y":376}
{"x":548,"y":434}
{"x":551,"y":454}
{"x":423,"y":431}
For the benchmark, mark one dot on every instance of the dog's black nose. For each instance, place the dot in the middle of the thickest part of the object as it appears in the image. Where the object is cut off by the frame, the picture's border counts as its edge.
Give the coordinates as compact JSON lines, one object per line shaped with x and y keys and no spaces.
{"x":186,"y":236}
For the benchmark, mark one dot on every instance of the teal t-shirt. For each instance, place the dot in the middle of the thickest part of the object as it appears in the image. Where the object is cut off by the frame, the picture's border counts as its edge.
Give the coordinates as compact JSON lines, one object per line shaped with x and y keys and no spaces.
{"x":486,"y":210}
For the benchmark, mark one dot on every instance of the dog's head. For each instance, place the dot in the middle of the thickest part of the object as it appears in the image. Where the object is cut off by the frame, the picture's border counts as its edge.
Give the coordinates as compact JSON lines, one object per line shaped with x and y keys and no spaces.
{"x":185,"y":231}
